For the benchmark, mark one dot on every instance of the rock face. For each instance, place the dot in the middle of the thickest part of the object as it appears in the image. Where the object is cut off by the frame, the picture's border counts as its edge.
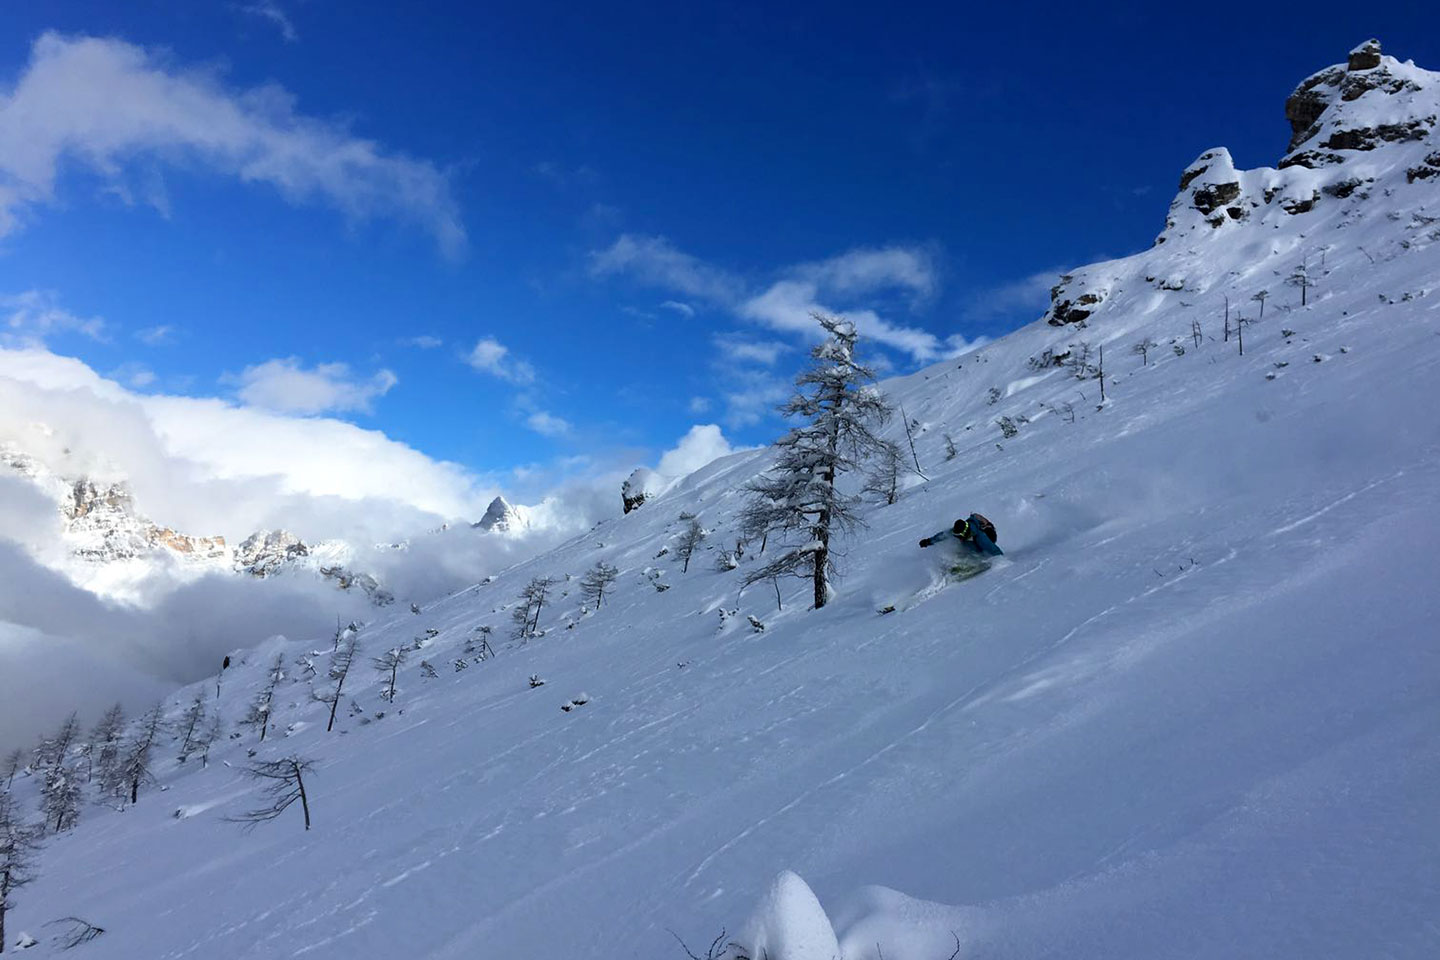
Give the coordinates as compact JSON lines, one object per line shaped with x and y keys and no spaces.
{"x":103,"y":519}
{"x":1390,"y":107}
{"x":502,"y":517}
{"x":264,"y":554}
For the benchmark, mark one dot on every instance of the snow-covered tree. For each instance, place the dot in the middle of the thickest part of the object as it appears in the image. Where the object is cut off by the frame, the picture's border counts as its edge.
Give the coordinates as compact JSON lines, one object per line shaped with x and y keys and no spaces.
{"x":258,"y":716}
{"x":104,"y":744}
{"x":800,"y":497}
{"x":136,"y":756}
{"x":19,"y":842}
{"x":340,"y":663}
{"x":389,"y":666}
{"x":60,"y":795}
{"x":53,"y":751}
{"x":207,"y":737}
{"x":284,"y":781}
{"x":690,"y":539}
{"x":1302,"y":278}
{"x":596,"y":581}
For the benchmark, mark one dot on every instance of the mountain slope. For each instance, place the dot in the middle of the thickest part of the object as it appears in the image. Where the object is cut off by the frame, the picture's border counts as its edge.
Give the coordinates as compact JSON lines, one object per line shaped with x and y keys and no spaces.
{"x":1190,"y":714}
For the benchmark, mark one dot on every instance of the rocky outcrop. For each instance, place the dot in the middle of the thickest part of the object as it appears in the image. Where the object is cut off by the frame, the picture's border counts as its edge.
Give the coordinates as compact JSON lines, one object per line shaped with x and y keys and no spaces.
{"x":637,"y":488}
{"x":1317,"y":109}
{"x":264,"y":554}
{"x":1362,"y":132}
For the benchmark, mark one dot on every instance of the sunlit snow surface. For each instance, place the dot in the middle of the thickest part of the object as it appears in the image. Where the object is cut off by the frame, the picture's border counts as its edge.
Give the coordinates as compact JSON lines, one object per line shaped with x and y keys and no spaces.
{"x":1195,"y":712}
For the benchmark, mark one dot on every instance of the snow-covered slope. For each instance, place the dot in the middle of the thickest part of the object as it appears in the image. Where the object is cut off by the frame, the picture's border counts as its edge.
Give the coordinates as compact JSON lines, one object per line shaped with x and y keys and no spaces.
{"x":1192,"y":713}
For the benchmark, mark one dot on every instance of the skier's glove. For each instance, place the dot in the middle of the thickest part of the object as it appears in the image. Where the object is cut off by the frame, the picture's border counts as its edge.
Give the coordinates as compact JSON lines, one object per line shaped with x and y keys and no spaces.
{"x":925,"y":542}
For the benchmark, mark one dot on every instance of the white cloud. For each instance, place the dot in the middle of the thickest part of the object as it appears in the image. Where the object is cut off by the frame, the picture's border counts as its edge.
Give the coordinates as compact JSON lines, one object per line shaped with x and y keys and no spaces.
{"x":684,"y":309}
{"x":752,"y":395}
{"x":109,"y":106}
{"x":764,"y":352}
{"x":852,"y":284}
{"x":286,"y":386}
{"x":703,"y":444}
{"x":157,"y":335}
{"x":137,"y":376}
{"x":493,"y":357}
{"x":547,"y":424}
{"x":208,"y":466}
{"x":788,"y":306}
{"x":656,"y":262}
{"x":867,"y":269}
{"x":1028,"y":295}
{"x":699,"y":404}
{"x":271,"y":11}
{"x":30,"y":317}
{"x":422,"y":342}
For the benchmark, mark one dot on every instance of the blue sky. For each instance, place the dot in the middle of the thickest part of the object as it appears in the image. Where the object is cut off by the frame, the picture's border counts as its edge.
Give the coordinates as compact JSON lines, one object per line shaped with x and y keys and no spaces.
{"x":554,"y":234}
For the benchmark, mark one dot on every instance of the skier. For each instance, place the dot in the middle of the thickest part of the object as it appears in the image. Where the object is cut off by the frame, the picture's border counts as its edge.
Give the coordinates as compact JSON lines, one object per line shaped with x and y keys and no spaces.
{"x":975,"y":531}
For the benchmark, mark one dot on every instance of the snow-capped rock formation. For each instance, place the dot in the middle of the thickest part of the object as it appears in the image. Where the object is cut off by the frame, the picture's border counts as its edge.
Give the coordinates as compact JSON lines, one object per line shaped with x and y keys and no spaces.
{"x":1359,"y":129}
{"x":503,"y":517}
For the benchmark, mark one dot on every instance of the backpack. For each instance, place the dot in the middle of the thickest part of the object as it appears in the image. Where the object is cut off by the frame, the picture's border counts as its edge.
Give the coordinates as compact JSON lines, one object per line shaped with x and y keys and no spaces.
{"x":986,"y":526}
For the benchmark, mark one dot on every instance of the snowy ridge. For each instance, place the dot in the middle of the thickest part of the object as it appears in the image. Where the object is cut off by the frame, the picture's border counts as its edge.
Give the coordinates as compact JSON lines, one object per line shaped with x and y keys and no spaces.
{"x":1190,"y":714}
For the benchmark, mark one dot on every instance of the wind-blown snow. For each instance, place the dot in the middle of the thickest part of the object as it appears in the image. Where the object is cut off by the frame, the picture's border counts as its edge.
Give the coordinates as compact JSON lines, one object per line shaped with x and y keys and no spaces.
{"x":1192,"y":712}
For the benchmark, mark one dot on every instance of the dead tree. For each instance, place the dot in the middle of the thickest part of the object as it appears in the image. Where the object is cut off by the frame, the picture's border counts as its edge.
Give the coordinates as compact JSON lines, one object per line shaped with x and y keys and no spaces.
{"x":19,"y":844}
{"x":913,"y":455}
{"x":284,"y":781}
{"x":340,"y":662}
{"x":1142,"y":350}
{"x":80,"y":931}
{"x":1227,"y":318}
{"x":1301,"y":278}
{"x":388,"y":664}
{"x":596,"y":581}
{"x":1102,"y":374}
{"x":1195,"y":333}
{"x":1260,"y":298}
{"x":690,"y":539}
{"x":135,"y":764}
{"x":798,"y":496}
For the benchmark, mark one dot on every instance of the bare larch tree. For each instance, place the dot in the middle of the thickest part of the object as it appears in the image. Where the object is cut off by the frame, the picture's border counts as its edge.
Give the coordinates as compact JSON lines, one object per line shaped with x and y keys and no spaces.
{"x":596,"y":581}
{"x":799,"y":497}
{"x":192,"y":722}
{"x":389,"y":666}
{"x":690,"y":539}
{"x":135,"y":759}
{"x":105,"y":745}
{"x":884,"y":480}
{"x":258,"y":716}
{"x":340,"y":663}
{"x":284,"y":781}
{"x":532,"y":600}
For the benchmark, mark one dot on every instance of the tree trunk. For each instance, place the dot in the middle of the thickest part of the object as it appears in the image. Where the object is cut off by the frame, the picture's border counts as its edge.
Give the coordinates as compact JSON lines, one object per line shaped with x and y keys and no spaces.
{"x":304,"y":800}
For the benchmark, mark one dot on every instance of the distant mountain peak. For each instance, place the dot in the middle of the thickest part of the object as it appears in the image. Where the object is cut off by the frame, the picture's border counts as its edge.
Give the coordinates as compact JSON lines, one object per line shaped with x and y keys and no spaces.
{"x":503,"y":517}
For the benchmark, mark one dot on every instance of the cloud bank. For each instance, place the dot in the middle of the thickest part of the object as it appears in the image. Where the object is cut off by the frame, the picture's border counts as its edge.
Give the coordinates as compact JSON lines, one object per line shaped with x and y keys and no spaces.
{"x":105,"y":106}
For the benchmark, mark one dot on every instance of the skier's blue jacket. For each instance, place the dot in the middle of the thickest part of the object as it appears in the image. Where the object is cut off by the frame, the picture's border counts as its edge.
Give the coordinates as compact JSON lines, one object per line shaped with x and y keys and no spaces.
{"x":977,"y":539}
